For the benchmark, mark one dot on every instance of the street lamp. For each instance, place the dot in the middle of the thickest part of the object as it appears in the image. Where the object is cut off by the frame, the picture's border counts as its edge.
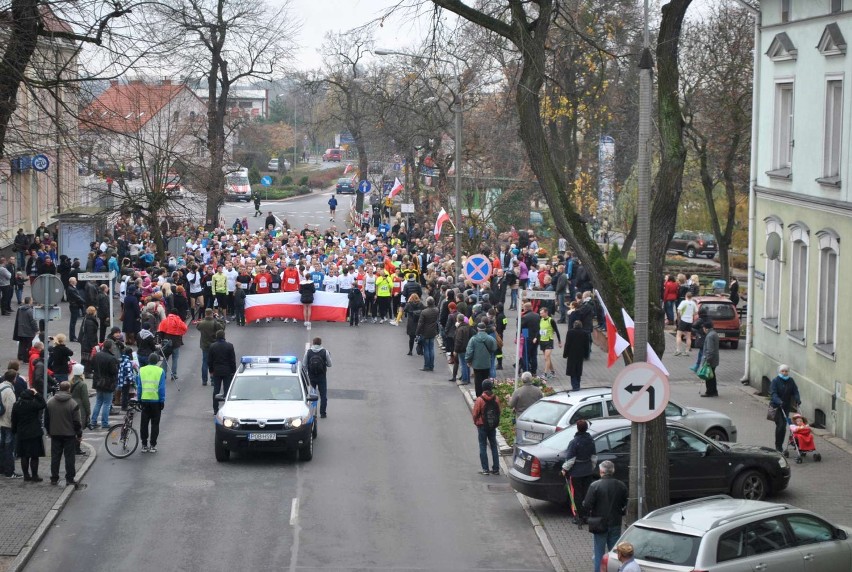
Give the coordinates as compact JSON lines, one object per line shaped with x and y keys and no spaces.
{"x":295,"y":133}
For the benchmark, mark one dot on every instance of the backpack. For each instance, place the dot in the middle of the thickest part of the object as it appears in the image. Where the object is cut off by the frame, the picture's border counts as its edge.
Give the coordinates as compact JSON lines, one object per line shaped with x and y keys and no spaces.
{"x":2,"y":407}
{"x":316,"y":363}
{"x":491,"y":414}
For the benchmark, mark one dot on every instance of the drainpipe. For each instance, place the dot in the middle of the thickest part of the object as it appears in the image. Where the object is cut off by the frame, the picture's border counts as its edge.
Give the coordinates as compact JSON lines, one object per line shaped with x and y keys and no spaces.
{"x":752,"y":200}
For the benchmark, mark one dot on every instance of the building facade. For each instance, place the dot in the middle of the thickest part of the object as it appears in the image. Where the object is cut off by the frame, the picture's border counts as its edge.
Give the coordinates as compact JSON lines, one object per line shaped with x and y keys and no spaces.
{"x":803,"y":205}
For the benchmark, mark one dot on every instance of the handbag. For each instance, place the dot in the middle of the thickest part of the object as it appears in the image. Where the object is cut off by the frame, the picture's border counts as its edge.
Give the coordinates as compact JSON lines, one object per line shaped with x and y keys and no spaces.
{"x":771,"y":412}
{"x":597,"y":524}
{"x":705,"y":372}
{"x":418,"y":341}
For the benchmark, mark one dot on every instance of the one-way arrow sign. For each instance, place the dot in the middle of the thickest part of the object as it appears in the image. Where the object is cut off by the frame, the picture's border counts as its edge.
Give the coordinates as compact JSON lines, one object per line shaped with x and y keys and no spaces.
{"x":640,"y":392}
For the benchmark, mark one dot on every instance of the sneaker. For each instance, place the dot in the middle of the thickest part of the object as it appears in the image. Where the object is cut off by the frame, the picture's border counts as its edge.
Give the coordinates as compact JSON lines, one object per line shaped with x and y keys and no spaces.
{"x":152,"y":450}
{"x":268,"y":320}
{"x":495,"y":471}
{"x":37,"y":479}
{"x":15,"y":476}
{"x":257,"y":321}
{"x":323,"y":415}
{"x":53,"y":481}
{"x":145,"y":449}
{"x":485,"y":472}
{"x":307,"y":324}
{"x":383,"y":320}
{"x":678,"y":353}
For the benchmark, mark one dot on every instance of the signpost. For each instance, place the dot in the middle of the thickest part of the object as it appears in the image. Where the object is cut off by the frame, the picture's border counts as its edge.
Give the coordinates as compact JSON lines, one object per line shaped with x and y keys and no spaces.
{"x":100,"y":276}
{"x":41,"y":163}
{"x":406,"y":208}
{"x":47,"y":290}
{"x":477,"y":268}
{"x":365,"y":187}
{"x":527,"y":295}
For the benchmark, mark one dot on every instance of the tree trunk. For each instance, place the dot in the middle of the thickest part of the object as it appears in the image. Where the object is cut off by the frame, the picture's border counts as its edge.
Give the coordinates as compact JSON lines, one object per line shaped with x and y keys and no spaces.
{"x":362,"y":171}
{"x":629,"y":239}
{"x":22,"y":38}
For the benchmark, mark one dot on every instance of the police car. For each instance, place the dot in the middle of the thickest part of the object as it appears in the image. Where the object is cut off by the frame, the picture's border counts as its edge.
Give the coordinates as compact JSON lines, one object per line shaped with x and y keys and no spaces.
{"x":270,"y":406}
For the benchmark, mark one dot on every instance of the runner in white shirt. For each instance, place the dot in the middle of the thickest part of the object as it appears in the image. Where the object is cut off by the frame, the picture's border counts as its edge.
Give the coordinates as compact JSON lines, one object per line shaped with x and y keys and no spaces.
{"x":687,"y":311}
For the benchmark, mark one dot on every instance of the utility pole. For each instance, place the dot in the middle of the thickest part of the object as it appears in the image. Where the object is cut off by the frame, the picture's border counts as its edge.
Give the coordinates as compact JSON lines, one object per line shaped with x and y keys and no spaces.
{"x":458,"y":238}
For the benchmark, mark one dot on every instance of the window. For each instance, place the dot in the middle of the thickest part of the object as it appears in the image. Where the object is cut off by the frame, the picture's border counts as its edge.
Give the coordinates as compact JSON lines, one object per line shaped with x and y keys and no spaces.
{"x":4,"y":203}
{"x":610,"y":409}
{"x":785,"y":10}
{"x":757,"y":538}
{"x":782,"y":146}
{"x":836,"y":6}
{"x":684,"y":442}
{"x":772,"y":295}
{"x":833,"y":129}
{"x":617,"y":443}
{"x":829,"y":245}
{"x":673,"y":410}
{"x":809,"y":530}
{"x":798,"y":280}
{"x":588,"y":411}
{"x":545,"y":412}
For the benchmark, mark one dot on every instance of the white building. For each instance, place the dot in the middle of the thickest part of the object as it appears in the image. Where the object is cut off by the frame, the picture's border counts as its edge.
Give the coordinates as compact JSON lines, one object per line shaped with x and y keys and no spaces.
{"x":803,"y":205}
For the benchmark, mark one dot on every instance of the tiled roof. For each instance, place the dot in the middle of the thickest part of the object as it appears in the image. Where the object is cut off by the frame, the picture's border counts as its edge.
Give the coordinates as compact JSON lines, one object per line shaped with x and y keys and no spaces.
{"x":125,"y":108}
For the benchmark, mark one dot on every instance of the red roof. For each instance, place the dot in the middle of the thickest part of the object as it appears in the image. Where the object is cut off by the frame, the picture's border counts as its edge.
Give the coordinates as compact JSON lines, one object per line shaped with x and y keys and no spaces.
{"x":125,"y":108}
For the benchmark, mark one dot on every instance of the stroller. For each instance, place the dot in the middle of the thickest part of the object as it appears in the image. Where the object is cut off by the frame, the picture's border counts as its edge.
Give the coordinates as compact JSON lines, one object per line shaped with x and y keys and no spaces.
{"x":801,"y":439}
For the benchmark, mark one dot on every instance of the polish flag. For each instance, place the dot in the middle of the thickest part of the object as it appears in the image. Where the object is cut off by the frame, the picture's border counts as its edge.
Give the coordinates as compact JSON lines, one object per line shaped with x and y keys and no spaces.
{"x":616,"y":344}
{"x":327,"y":306}
{"x":651,"y":356}
{"x":442,"y":218}
{"x":397,"y":188}
{"x":348,"y":168}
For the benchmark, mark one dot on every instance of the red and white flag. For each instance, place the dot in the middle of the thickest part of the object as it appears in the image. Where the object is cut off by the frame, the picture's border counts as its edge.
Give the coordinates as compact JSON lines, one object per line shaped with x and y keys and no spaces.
{"x":616,"y":344}
{"x":396,"y":189}
{"x":651,"y":355}
{"x":348,"y":168}
{"x":327,"y":306}
{"x":442,"y":218}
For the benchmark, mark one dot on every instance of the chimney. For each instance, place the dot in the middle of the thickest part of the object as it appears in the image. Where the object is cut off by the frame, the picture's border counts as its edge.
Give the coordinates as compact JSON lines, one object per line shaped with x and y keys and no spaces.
{"x":113,"y":82}
{"x":167,"y":81}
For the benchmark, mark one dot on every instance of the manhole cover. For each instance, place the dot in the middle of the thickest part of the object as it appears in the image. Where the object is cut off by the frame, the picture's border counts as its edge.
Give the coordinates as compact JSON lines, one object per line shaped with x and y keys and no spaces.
{"x":194,"y":484}
{"x":499,"y":488}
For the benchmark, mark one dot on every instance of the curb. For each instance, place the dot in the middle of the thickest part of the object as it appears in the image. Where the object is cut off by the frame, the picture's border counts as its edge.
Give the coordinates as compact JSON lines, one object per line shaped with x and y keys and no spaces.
{"x":27,"y":551}
{"x":538,"y":527}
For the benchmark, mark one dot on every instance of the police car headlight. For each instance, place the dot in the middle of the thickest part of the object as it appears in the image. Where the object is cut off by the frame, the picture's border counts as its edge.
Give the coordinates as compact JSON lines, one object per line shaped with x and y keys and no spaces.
{"x":296,"y":422}
{"x":231,"y":422}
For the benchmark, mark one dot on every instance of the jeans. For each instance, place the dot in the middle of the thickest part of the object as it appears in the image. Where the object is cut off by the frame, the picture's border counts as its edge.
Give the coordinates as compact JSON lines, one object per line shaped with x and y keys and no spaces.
{"x":465,"y":370}
{"x":429,"y":353}
{"x":7,"y":451}
{"x":575,"y":383}
{"x":204,"y":368}
{"x":486,"y":437}
{"x":700,"y":355}
{"x":605,"y":541}
{"x":514,"y":299}
{"x":321,"y":385}
{"x":221,"y":383}
{"x":22,"y":259}
{"x":76,"y":312}
{"x":560,"y":305}
{"x":102,"y":403}
{"x":151,"y":411}
{"x":175,"y":359}
{"x":19,"y":293}
{"x":63,"y":445}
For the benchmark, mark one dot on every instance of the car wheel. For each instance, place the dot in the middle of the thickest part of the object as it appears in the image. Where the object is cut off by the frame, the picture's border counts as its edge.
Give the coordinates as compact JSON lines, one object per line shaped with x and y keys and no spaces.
{"x":306,"y":451}
{"x":735,"y":345}
{"x":315,"y":430}
{"x":750,"y":485}
{"x":223,"y":455}
{"x":710,"y":256}
{"x":717,"y":434}
{"x":690,"y":252}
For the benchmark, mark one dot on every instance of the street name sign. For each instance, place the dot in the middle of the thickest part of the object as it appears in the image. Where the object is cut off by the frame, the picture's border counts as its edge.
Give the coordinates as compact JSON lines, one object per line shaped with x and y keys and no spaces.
{"x":539,"y":295}
{"x":640,"y":392}
{"x":94,"y":276}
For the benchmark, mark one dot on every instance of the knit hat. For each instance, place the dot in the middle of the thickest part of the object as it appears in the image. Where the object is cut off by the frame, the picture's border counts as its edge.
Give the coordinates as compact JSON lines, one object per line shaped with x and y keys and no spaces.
{"x":78,"y":369}
{"x":480,"y":326}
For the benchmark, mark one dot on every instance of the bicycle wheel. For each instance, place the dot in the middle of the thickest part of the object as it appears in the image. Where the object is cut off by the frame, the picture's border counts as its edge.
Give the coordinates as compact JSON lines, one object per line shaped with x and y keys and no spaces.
{"x":120,"y":446}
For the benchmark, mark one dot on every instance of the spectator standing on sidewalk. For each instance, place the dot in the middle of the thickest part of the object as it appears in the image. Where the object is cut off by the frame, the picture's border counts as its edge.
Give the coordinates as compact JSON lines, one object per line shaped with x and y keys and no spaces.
{"x":76,"y":306}
{"x":427,"y":327}
{"x":579,"y":469}
{"x":711,"y":358}
{"x":317,"y":360}
{"x":104,"y":381}
{"x":525,"y":395}
{"x":62,"y":422}
{"x":486,"y":417}
{"x":80,"y":393}
{"x":624,"y":550}
{"x":7,"y":437}
{"x":606,"y":500}
{"x":25,"y":330}
{"x":222,"y":361}
{"x":208,"y":327}
{"x":6,"y":276}
{"x":26,"y":425}
{"x":152,"y":395}
{"x":173,"y":329}
{"x":480,"y":348}
{"x":576,"y":345}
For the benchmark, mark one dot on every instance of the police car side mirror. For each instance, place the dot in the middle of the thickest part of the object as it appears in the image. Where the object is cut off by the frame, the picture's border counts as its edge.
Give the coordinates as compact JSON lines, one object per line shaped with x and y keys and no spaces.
{"x":219,"y":398}
{"x":313,"y":397}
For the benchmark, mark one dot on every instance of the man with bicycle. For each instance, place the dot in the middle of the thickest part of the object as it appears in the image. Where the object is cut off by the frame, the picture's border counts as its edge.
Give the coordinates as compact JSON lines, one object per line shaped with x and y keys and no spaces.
{"x":151,"y":390}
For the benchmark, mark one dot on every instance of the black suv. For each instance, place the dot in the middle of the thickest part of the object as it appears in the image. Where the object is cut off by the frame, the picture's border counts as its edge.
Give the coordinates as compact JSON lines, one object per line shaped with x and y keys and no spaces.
{"x":694,"y":244}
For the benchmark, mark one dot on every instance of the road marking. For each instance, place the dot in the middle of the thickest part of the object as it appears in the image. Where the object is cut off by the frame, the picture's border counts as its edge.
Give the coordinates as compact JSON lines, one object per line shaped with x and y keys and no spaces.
{"x":294,"y":512}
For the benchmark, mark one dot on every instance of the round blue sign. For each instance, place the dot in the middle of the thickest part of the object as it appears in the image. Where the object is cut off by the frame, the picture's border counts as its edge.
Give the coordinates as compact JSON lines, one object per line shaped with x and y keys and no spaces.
{"x":266,"y":181}
{"x":41,"y":163}
{"x":477,"y":268}
{"x":365,"y":187}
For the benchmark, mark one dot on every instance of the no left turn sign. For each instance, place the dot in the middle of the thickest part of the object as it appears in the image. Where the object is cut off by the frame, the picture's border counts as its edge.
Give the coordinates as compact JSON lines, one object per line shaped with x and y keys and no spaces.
{"x":640,"y":392}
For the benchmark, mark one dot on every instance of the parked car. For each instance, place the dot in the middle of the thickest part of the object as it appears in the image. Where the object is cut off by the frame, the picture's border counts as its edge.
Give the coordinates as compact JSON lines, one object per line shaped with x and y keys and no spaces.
{"x":698,"y":466}
{"x":272,"y":165}
{"x":725,"y":318}
{"x":345,"y":186}
{"x":723,"y":534}
{"x":694,"y":244}
{"x":332,"y":155}
{"x":560,"y":410}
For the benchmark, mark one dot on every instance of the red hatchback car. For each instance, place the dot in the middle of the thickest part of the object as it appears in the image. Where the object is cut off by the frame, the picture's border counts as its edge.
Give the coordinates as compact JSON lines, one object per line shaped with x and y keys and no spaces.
{"x":332,"y":155}
{"x":723,"y":313}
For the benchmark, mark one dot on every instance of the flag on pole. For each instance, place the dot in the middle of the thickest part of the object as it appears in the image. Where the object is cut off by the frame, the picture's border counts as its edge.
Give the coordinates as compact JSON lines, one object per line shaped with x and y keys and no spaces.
{"x":442,"y":218}
{"x":396,"y":189}
{"x":348,"y":168}
{"x":651,"y":356}
{"x":616,"y":344}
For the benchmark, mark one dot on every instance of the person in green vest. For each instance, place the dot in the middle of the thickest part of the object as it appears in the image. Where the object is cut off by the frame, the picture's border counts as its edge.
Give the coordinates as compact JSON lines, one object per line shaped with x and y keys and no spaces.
{"x":546,"y":330}
{"x":151,"y":390}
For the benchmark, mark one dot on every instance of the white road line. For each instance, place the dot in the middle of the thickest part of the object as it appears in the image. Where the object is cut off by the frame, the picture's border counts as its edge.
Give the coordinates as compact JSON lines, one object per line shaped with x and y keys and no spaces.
{"x":294,"y":512}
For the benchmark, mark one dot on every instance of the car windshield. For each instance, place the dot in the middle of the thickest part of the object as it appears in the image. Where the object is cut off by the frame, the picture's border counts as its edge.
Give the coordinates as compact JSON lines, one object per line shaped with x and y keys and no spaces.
{"x":545,"y":412}
{"x":238,"y":180}
{"x":721,"y":311}
{"x":265,"y":388}
{"x":662,"y":546}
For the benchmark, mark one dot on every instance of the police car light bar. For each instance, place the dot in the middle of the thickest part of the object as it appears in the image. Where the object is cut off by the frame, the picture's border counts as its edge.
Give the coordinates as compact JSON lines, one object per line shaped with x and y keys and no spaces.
{"x":269,"y":359}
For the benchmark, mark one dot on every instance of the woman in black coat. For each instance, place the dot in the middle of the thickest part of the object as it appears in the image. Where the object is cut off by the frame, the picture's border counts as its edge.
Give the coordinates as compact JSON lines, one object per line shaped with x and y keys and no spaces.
{"x":130,"y":315}
{"x":180,"y":303}
{"x":26,"y":425}
{"x":88,"y":337}
{"x":574,"y":350}
{"x":413,"y":307}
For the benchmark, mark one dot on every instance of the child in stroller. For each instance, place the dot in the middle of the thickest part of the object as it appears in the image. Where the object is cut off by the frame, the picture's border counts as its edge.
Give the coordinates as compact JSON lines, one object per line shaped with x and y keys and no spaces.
{"x":802,"y":438}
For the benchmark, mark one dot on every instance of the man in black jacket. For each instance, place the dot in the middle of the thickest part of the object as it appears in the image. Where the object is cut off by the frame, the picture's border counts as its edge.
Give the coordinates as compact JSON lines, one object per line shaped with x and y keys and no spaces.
{"x":222,"y":363}
{"x":606,"y":499}
{"x":579,"y":469}
{"x":530,"y":321}
{"x":63,"y":424}
{"x":76,"y":306}
{"x":104,"y":380}
{"x":103,"y":311}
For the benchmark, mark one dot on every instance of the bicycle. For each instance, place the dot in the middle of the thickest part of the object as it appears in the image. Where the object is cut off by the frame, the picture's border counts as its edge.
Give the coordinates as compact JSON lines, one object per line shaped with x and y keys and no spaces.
{"x":122,"y":440}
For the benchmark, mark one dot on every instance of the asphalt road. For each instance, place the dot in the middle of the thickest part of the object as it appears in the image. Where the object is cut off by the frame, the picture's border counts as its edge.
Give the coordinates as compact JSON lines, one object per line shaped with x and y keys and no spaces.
{"x":393,"y":484}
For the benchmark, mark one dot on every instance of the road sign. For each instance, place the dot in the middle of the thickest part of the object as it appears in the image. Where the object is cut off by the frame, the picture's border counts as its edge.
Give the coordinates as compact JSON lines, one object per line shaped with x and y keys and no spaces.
{"x":94,"y":276}
{"x":477,"y":268}
{"x":176,"y":245}
{"x":539,"y":295}
{"x":640,"y":392}
{"x":397,"y":167}
{"x":365,"y":187}
{"x":406,"y":208}
{"x":41,"y":163}
{"x":47,"y":289}
{"x":266,"y":181}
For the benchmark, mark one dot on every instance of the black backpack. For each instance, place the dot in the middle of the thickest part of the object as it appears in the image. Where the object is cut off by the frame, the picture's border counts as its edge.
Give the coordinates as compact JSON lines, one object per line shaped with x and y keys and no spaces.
{"x":316,"y":363}
{"x":491,"y":414}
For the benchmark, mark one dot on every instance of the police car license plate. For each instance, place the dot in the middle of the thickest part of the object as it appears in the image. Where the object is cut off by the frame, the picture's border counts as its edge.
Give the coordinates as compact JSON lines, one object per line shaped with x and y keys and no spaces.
{"x":261,"y":436}
{"x":520,"y":462}
{"x":533,"y":435}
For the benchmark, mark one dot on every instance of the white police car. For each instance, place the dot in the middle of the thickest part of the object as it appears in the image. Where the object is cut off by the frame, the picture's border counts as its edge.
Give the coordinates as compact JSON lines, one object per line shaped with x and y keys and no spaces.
{"x":270,"y":406}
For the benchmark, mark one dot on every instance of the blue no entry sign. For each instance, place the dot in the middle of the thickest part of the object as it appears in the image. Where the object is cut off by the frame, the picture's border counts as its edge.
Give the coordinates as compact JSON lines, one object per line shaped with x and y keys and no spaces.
{"x":365,"y":187}
{"x":266,"y":181}
{"x":477,"y":268}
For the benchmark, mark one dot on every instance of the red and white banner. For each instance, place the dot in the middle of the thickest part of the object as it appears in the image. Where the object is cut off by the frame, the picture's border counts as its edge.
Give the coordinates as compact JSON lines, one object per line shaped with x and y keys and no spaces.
{"x":327,"y":306}
{"x":651,"y":356}
{"x":348,"y":168}
{"x":397,"y":188}
{"x":616,"y":343}
{"x":442,"y":218}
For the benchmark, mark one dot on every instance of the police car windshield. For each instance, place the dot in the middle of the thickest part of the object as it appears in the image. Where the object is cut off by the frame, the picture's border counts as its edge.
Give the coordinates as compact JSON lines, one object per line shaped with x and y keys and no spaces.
{"x":265,"y":388}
